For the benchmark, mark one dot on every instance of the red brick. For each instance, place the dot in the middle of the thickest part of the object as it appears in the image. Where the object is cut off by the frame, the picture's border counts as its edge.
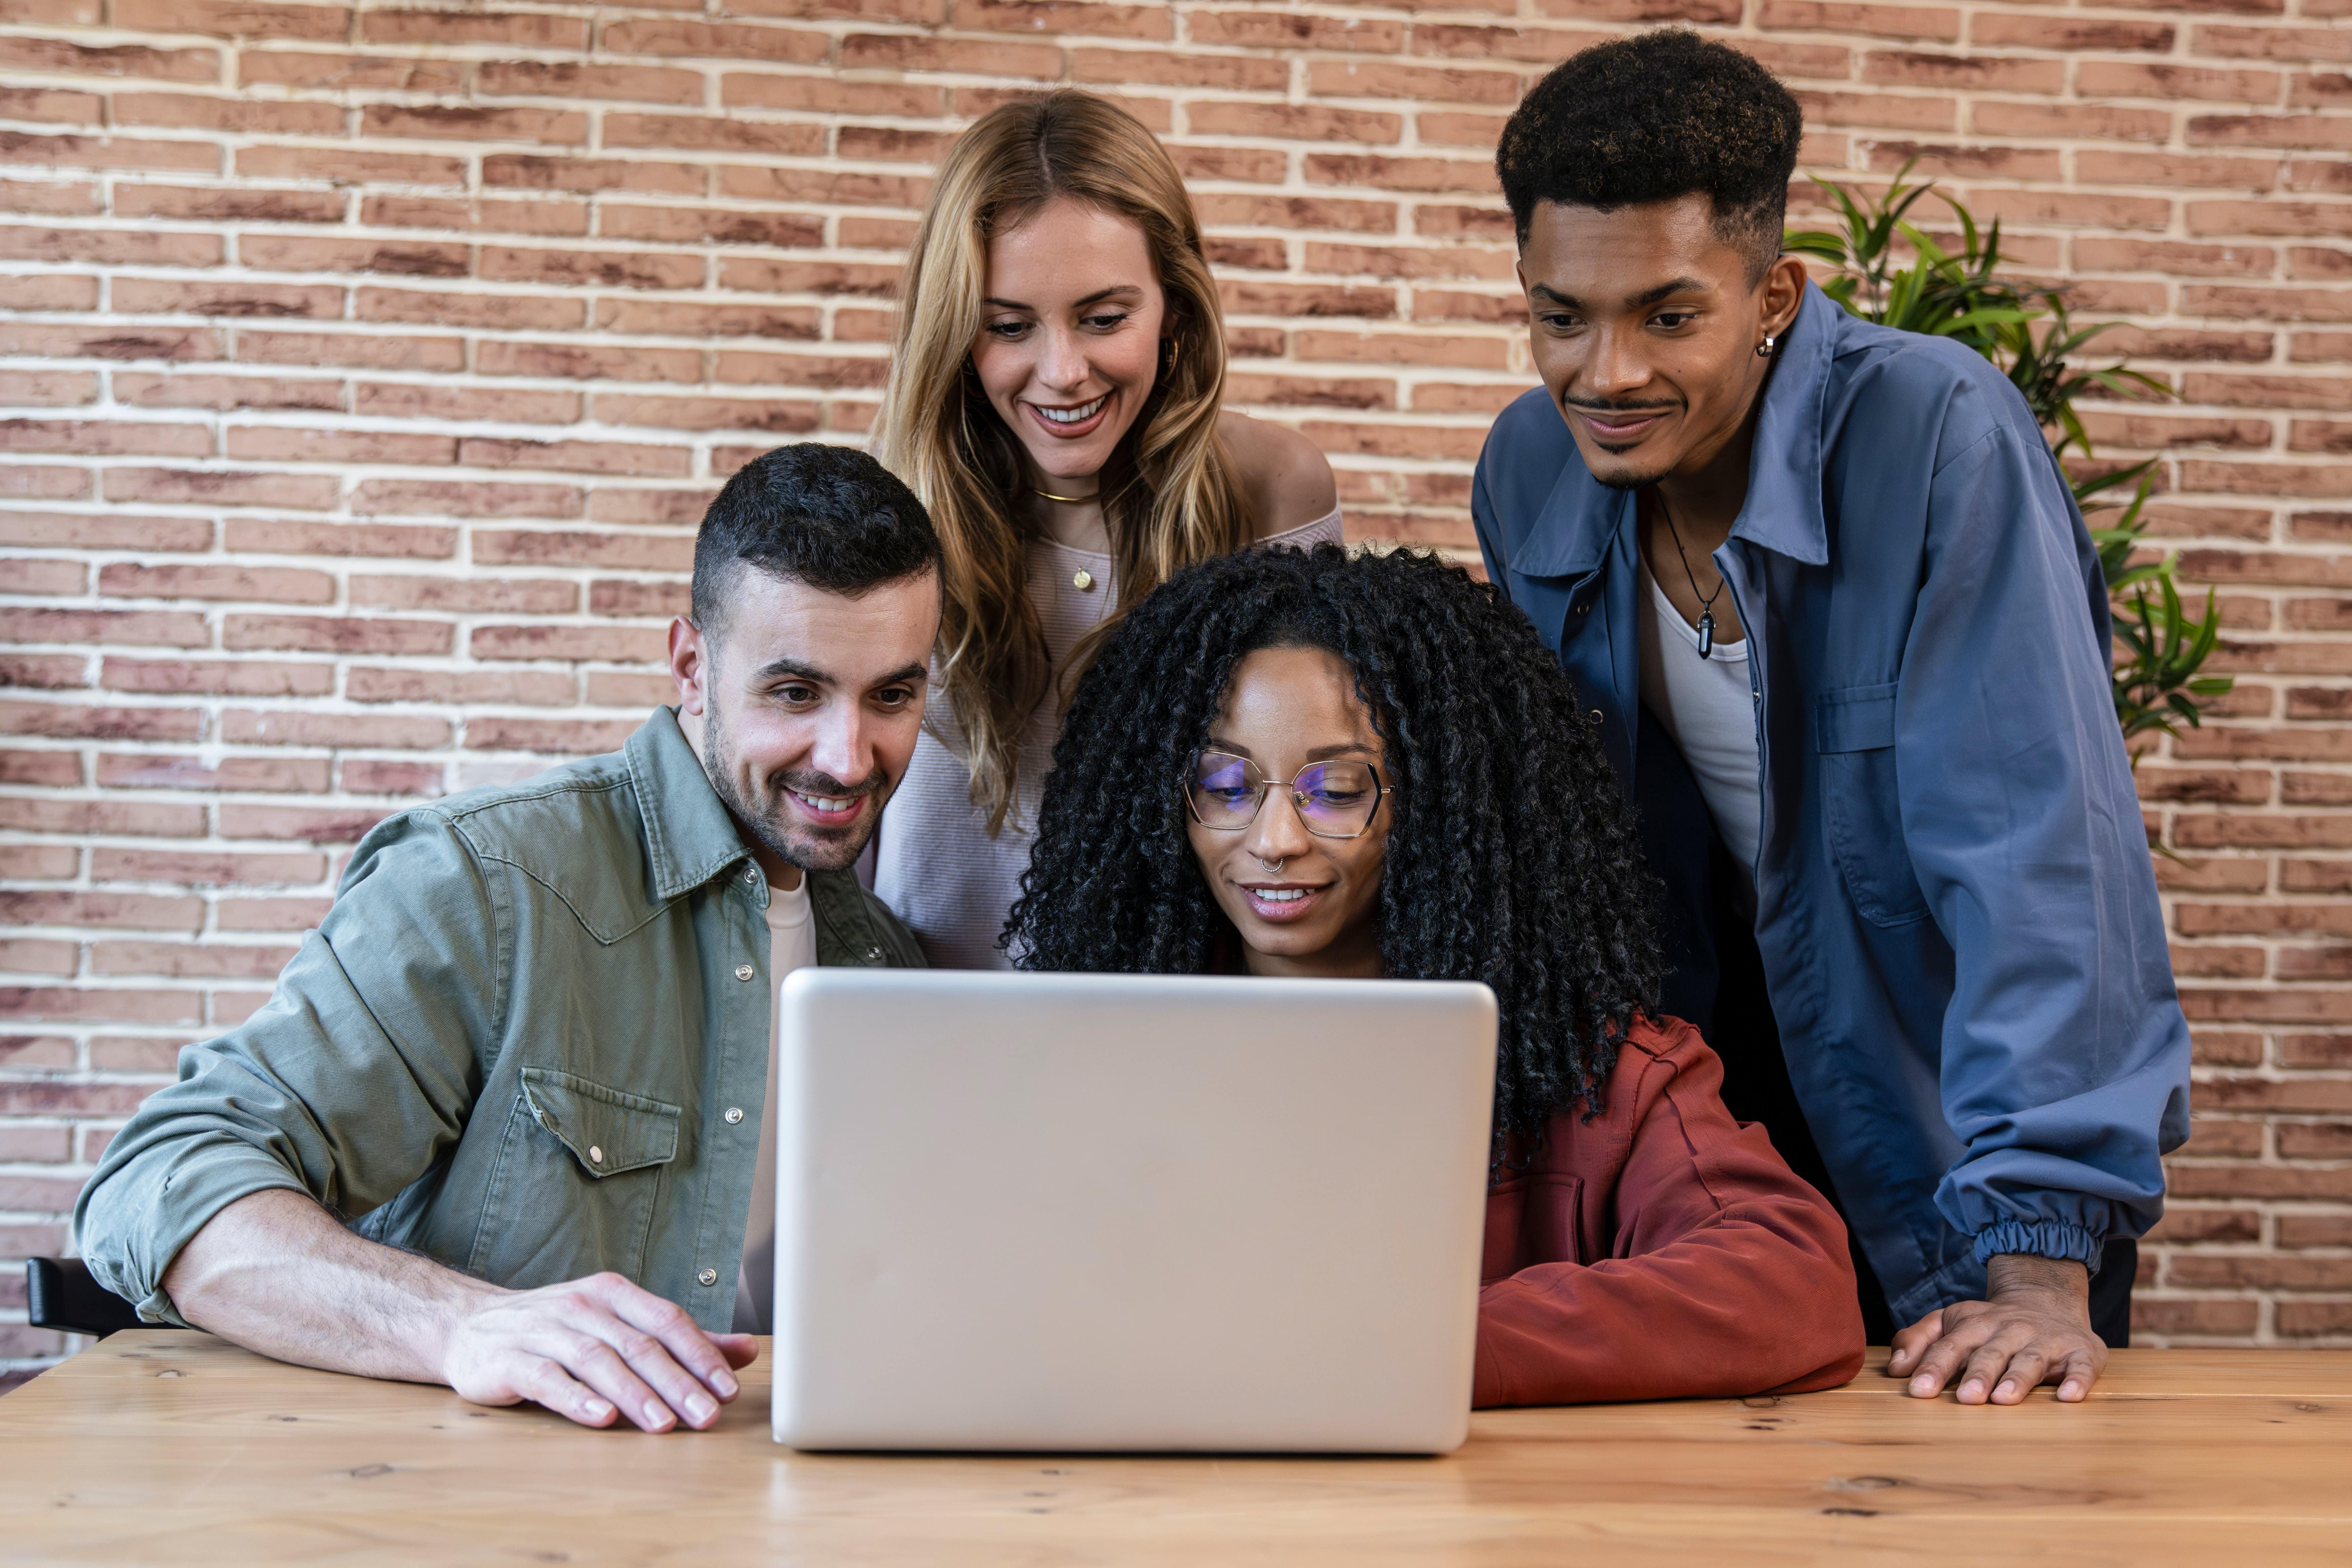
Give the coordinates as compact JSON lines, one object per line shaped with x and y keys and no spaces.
{"x":187,"y":960}
{"x":292,"y":727}
{"x":816,"y":94}
{"x":1309,"y":300}
{"x":575,"y":79}
{"x":228,"y":206}
{"x":1399,"y":348}
{"x":671,"y":317}
{"x":224,"y":394}
{"x":467,"y":596}
{"x":431,"y":400}
{"x":579,"y":736}
{"x":375,"y":775}
{"x":336,"y":634}
{"x":301,"y":253}
{"x":600,"y":456}
{"x":590,"y":176}
{"x":270,"y":537}
{"x":268,"y":776}
{"x":283,"y":584}
{"x":191,"y":112}
{"x":291,"y":444}
{"x":1924,"y":24}
{"x":44,"y":671}
{"x":627,"y":689}
{"x":779,"y":417}
{"x":454,"y":498}
{"x":607,"y":645}
{"x":716,"y":133}
{"x":705,"y":40}
{"x":343,"y":72}
{"x":368,"y":351}
{"x":2330,"y":131}
{"x":704,"y":226}
{"x":848,"y":187}
{"x":1973,"y":73}
{"x":233,"y":19}
{"x":110,"y":912}
{"x":51,"y":768}
{"x":531,"y":688}
{"x":601,"y":268}
{"x":120,"y":817}
{"x":28,"y":53}
{"x":107,"y":247}
{"x":536,"y":214}
{"x":285,"y":914}
{"x":317,"y":825}
{"x":587,"y":362}
{"x":139,"y":628}
{"x":439,"y":25}
{"x":218,"y":678}
{"x":505,"y":313}
{"x":75,"y":197}
{"x":907,"y":51}
{"x":352,"y":166}
{"x":207,"y":487}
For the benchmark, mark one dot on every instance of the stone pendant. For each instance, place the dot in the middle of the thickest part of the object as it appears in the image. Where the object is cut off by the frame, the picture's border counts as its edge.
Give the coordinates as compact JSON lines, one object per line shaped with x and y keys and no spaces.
{"x":1706,"y":633}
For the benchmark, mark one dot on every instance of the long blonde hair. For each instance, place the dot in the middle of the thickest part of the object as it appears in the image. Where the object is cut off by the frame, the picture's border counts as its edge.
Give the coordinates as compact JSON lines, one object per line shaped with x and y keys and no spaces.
{"x":1170,"y":494}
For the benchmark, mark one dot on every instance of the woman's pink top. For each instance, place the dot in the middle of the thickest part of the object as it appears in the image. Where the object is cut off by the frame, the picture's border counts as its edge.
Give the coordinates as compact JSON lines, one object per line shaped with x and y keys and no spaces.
{"x":935,"y":864}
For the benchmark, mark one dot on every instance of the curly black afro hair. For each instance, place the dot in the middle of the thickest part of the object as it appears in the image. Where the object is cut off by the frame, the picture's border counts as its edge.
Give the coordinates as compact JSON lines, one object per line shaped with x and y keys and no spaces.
{"x":1511,"y":857}
{"x":1652,"y":118}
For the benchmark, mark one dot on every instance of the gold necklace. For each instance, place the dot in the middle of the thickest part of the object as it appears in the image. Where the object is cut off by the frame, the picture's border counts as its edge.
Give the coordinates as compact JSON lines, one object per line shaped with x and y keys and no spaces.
{"x":1065,"y":501}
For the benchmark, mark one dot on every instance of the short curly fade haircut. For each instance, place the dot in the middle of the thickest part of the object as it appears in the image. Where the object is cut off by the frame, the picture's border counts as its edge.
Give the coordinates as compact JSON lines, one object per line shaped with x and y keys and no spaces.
{"x":1511,"y":858}
{"x":1651,"y":118}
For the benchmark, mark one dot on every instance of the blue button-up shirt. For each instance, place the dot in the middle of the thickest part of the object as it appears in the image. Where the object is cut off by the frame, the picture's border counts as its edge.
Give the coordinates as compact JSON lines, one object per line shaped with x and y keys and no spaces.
{"x":1954,"y":902}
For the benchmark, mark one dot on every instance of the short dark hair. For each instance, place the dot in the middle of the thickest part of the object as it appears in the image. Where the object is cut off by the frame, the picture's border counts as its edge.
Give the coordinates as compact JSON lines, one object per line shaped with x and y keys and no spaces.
{"x":830,"y":517}
{"x":1653,"y":118}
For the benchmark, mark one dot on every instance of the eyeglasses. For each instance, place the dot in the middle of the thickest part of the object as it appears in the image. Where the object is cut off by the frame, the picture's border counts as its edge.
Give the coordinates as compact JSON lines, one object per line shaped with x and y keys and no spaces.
{"x":1334,"y":800}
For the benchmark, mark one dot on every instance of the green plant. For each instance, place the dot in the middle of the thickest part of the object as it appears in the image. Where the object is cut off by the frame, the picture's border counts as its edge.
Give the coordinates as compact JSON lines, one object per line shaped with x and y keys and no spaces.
{"x":1890,"y":272}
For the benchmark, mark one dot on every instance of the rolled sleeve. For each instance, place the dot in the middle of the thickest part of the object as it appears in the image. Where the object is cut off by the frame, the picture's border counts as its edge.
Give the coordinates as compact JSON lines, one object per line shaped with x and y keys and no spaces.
{"x":2065,"y":1056}
{"x":346,"y":1086}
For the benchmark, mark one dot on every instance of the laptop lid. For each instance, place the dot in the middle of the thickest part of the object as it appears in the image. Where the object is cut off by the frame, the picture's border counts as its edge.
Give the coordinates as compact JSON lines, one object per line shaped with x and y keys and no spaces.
{"x":1119,"y":1212}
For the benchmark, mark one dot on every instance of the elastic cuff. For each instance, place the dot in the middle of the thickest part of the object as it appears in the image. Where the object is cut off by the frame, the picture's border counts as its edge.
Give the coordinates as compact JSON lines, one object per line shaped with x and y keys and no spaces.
{"x":2042,"y":1238}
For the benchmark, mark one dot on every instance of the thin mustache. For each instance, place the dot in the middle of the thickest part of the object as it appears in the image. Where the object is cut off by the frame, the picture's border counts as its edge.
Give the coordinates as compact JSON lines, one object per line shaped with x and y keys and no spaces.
{"x":828,"y":788}
{"x":1617,"y":408}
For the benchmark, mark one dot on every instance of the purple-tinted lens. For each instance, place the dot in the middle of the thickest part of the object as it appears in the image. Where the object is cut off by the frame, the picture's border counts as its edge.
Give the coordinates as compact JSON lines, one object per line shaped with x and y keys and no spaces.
{"x":1336,"y":798}
{"x":1222,"y":792}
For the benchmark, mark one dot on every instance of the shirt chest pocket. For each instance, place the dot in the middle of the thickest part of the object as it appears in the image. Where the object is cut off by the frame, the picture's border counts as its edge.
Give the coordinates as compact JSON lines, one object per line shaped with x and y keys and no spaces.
{"x":1854,"y":731}
{"x":577,"y":1181}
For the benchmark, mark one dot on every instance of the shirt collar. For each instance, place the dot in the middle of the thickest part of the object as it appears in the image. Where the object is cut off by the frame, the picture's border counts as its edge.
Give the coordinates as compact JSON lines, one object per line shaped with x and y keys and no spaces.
{"x":689,"y":837}
{"x":1783,"y":510}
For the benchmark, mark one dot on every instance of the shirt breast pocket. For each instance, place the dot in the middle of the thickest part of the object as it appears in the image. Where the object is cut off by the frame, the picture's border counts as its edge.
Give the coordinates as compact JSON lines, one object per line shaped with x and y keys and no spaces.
{"x":1854,"y":731}
{"x":573,"y":1190}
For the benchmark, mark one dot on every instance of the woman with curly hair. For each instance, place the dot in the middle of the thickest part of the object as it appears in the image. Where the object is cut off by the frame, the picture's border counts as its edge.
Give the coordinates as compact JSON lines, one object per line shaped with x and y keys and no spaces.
{"x":1311,"y":764}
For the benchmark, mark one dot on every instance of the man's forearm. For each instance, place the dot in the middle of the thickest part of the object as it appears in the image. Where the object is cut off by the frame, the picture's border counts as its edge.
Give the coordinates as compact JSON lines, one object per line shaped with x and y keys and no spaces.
{"x":276,"y":1273}
{"x":2010,"y":1274}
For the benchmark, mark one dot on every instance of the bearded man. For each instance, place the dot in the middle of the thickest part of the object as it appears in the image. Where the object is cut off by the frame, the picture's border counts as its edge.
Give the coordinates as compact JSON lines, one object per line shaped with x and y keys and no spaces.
{"x":1844,"y":636}
{"x":502,"y":1124}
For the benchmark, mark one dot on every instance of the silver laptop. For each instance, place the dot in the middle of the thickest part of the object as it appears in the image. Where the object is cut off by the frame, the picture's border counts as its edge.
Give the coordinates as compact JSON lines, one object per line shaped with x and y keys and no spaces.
{"x":1059,"y":1212}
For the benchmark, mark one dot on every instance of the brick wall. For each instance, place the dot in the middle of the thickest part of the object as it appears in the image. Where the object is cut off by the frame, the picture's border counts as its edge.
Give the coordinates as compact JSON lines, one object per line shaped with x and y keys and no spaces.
{"x":364,"y":369}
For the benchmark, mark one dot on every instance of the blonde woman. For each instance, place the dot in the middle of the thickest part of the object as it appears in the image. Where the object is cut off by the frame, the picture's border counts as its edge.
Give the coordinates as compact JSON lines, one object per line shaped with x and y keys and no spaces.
{"x":1054,"y":400}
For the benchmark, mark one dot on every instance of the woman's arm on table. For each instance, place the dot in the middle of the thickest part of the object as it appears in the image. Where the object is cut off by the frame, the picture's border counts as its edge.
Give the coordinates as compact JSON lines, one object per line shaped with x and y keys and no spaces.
{"x":1731,"y":1276}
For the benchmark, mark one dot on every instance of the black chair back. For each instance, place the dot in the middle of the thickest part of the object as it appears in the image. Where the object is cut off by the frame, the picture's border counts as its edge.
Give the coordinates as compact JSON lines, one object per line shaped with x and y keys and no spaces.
{"x":60,"y":1294}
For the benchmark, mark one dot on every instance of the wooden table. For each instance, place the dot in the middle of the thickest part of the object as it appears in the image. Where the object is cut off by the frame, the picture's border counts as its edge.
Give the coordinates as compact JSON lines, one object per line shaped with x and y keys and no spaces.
{"x":160,"y":1447}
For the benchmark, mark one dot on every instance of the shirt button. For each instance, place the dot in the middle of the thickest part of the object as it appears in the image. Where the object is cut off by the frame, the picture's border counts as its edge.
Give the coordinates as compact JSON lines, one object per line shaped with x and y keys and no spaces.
{"x":751,"y":876}
{"x":873,"y":955}
{"x":743,"y":971}
{"x":709,"y":1277}
{"x":734,"y":1114}
{"x":595,"y":1155}
{"x":1083,"y":582}
{"x":1596,"y":715}
{"x":1583,"y":606}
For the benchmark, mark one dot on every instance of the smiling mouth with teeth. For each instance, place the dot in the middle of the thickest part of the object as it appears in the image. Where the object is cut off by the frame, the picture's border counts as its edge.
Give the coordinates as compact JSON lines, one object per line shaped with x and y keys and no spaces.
{"x":1278,"y":895}
{"x":826,"y":804}
{"x":1078,"y":415}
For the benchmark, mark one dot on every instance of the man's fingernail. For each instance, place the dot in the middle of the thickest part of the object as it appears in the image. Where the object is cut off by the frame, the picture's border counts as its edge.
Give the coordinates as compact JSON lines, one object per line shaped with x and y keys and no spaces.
{"x":699,"y":1407}
{"x":597,"y":1409}
{"x":1972,"y":1389}
{"x":1923,"y":1384}
{"x":726,"y":1387}
{"x":657,"y":1415}
{"x":2006,"y":1389}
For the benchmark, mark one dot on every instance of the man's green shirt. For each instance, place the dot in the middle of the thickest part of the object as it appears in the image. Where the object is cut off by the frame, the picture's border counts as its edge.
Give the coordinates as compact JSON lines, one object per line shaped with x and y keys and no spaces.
{"x":530,"y":1040}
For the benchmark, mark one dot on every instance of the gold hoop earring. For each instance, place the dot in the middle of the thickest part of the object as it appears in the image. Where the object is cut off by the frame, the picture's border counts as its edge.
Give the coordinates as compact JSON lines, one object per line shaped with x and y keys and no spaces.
{"x":1175,"y":353}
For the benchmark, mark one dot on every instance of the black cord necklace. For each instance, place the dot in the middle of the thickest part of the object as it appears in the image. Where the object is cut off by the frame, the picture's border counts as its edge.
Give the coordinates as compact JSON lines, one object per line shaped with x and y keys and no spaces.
{"x":1705,"y":601}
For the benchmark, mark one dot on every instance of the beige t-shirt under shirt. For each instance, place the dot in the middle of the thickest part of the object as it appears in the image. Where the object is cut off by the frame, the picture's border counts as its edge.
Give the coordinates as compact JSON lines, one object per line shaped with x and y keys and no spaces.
{"x":791,"y":944}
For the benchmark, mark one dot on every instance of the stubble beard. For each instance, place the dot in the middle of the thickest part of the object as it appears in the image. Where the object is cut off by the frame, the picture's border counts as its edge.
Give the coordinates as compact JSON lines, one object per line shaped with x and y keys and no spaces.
{"x":813,"y":849}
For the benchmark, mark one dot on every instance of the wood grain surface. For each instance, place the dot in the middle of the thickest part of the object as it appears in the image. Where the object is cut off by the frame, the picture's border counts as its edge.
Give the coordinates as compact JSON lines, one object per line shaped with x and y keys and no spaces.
{"x":167,"y":1447}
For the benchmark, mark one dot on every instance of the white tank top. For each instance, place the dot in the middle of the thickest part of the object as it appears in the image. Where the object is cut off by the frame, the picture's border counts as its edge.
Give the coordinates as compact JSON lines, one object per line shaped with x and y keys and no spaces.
{"x":1708,"y":709}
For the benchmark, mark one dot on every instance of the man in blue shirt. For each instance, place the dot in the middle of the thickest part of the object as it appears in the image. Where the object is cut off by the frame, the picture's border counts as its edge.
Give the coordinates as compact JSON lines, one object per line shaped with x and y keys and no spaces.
{"x":1829,"y":601}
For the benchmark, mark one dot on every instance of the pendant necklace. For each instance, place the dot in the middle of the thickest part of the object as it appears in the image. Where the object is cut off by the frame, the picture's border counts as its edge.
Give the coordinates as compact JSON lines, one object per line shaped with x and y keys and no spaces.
{"x":1705,"y":601}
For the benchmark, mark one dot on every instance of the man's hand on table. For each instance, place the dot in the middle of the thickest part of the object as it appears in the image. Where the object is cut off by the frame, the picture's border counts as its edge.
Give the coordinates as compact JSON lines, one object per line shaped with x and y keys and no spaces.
{"x":276,"y":1273}
{"x":594,"y":1350}
{"x":2036,"y":1328}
